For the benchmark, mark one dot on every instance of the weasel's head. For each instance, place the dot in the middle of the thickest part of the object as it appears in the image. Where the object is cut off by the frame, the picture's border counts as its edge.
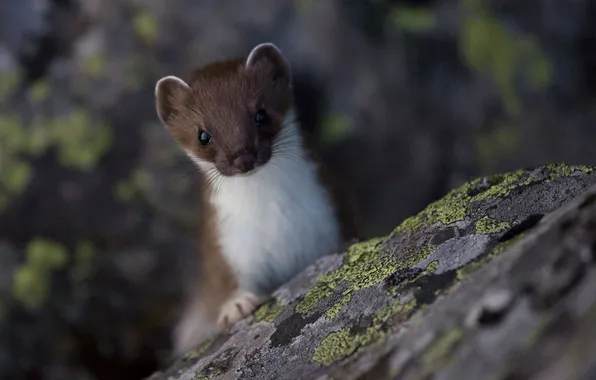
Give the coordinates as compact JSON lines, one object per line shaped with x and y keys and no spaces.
{"x":229,"y":115}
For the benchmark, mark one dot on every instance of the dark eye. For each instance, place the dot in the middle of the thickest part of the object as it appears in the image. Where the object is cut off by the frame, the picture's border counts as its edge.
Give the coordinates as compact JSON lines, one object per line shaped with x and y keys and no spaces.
{"x":204,"y":138}
{"x":261,"y":117}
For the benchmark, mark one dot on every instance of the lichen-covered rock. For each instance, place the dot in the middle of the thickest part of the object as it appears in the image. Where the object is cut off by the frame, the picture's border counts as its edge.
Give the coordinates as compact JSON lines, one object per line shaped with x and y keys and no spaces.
{"x":489,"y":271}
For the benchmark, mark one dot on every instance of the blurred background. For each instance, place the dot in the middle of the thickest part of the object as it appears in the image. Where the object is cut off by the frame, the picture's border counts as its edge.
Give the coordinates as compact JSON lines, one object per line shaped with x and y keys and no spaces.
{"x":98,"y":207}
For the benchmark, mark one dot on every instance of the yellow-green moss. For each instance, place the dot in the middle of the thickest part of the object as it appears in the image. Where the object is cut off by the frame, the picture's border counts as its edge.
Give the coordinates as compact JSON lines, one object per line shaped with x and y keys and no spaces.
{"x":145,"y":26}
{"x":366,"y":264}
{"x":456,"y":204}
{"x":501,"y":141}
{"x":39,"y":91}
{"x":200,"y":349}
{"x":93,"y":64}
{"x":83,"y":261}
{"x":334,"y":128}
{"x":343,"y":343}
{"x":487,"y":225}
{"x":81,"y":140}
{"x":268,"y":312}
{"x":558,"y":170}
{"x":16,"y":177}
{"x":16,"y":173}
{"x":30,"y":283}
{"x":47,"y":254}
{"x":413,"y":19}
{"x":488,"y":46}
{"x":332,"y":312}
{"x":139,"y":182}
{"x":431,"y":267}
{"x":211,"y":373}
{"x":9,"y":81}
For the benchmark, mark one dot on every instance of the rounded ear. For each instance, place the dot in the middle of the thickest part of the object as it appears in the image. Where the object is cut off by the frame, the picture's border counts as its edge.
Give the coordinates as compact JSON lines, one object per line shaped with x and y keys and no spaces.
{"x":170,"y":94}
{"x":267,"y":56}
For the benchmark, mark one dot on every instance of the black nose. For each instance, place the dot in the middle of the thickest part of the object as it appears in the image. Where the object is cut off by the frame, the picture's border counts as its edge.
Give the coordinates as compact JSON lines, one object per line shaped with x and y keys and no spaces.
{"x":245,"y":162}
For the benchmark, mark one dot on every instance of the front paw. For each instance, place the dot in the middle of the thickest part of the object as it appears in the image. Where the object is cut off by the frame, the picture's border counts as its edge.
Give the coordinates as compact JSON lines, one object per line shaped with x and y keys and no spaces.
{"x":239,"y":306}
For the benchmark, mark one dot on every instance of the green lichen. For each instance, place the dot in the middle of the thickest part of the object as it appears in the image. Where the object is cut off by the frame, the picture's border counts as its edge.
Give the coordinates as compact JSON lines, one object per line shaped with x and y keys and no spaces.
{"x":332,"y":312}
{"x":9,"y":81}
{"x":268,"y":312}
{"x":447,"y":210}
{"x":413,"y":19}
{"x":140,"y":182}
{"x":206,"y":376}
{"x":334,"y":128}
{"x":487,"y":225}
{"x":501,"y":141}
{"x":30,"y":283}
{"x":80,"y":139}
{"x":488,"y":46}
{"x":83,"y":261}
{"x":557,"y":170}
{"x":145,"y":26}
{"x":93,"y":64}
{"x":16,"y":172}
{"x":344,"y":342}
{"x":431,"y":267}
{"x":198,"y":351}
{"x":366,"y":264}
{"x":39,"y":91}
{"x":457,"y":203}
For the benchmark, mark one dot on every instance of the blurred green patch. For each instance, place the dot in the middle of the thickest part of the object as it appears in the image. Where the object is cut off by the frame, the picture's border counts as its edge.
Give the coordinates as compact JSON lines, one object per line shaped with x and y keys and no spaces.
{"x":93,"y":64}
{"x":413,"y":19}
{"x":80,"y":140}
{"x":304,"y":5}
{"x":9,"y":80}
{"x":39,"y":91}
{"x":135,"y":67}
{"x":145,"y":26}
{"x":334,"y":127}
{"x":139,"y":182}
{"x":492,"y":146}
{"x":489,"y":47}
{"x":83,"y":262}
{"x":16,"y":173}
{"x":31,"y":281}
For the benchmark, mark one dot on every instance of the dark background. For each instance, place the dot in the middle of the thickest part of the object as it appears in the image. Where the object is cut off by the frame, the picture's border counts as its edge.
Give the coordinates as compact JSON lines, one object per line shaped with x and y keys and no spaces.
{"x":408,"y":99}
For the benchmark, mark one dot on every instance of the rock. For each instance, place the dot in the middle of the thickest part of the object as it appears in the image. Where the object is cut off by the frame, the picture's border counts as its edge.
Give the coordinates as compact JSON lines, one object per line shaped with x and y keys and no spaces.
{"x":496,"y":279}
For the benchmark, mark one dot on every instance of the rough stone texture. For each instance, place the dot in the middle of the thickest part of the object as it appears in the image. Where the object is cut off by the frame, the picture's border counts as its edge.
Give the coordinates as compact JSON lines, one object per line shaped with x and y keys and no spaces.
{"x":445,"y":294}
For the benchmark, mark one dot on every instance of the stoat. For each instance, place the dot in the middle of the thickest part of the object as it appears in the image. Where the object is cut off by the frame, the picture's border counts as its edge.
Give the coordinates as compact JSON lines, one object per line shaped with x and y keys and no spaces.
{"x":269,"y":210}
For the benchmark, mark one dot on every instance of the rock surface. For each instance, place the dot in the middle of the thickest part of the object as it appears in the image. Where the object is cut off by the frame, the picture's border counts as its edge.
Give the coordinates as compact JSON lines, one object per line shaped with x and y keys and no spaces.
{"x":495,"y":280}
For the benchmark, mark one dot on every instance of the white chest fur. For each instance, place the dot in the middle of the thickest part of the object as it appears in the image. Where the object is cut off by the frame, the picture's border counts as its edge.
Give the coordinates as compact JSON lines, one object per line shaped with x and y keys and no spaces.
{"x":275,"y":222}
